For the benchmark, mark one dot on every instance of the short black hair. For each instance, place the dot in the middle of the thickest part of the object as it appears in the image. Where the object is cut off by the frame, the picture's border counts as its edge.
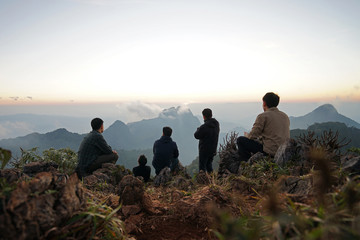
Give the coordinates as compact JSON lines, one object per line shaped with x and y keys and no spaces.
{"x":167,"y":131}
{"x":271,"y":99}
{"x":207,"y":113}
{"x":96,"y":123}
{"x":142,"y":160}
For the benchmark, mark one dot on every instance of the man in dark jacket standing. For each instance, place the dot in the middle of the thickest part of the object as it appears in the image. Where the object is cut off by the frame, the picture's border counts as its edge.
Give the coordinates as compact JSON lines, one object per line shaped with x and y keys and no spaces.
{"x":94,"y":151}
{"x":165,"y":151}
{"x":208,"y":135}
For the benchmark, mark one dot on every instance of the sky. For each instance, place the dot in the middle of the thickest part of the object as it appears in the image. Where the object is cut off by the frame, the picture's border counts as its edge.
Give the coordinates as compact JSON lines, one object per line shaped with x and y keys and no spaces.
{"x":188,"y":51}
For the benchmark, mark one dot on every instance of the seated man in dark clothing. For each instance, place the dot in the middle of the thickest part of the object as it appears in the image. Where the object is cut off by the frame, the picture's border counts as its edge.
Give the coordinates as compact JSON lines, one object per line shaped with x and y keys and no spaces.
{"x":165,"y":151}
{"x":94,"y":151}
{"x":142,"y":170}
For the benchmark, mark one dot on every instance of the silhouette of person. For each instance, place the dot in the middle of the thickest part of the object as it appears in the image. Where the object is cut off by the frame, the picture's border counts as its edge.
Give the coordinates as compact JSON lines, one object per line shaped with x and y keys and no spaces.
{"x":94,"y":150}
{"x":208,"y":136}
{"x":165,"y":151}
{"x":142,"y":170}
{"x":270,"y":130}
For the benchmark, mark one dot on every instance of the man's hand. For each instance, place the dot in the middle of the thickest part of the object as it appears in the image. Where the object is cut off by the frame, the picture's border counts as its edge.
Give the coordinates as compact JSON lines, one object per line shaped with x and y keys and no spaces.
{"x":114,"y":152}
{"x":246,"y":134}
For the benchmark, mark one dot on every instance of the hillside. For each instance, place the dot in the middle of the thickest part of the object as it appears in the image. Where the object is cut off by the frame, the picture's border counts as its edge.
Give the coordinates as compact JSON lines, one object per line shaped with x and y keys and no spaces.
{"x":311,"y":196}
{"x":345,"y":132}
{"x":324,"y":113}
{"x":60,"y":138}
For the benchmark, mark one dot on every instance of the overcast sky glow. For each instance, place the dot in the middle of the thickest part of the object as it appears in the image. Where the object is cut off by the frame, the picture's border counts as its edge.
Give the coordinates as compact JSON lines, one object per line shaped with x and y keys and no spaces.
{"x":184,"y":51}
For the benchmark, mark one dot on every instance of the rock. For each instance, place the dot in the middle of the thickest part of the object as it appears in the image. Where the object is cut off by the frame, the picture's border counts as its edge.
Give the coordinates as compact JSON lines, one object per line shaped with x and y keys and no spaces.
{"x":181,"y":170}
{"x":256,"y":158}
{"x":131,"y":190}
{"x":11,"y":175}
{"x":128,"y":210}
{"x":132,"y":223}
{"x":286,"y":152}
{"x":37,"y":205}
{"x":229,"y":162}
{"x":163,"y":177}
{"x":296,"y":185}
{"x":106,"y":179}
{"x":36,"y":167}
{"x":182,"y":183}
{"x":351,"y":165}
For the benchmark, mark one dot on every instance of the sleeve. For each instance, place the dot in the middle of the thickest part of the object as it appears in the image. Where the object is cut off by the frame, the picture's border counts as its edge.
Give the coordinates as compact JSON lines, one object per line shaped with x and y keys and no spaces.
{"x":176,"y":151}
{"x":154,"y":147}
{"x":200,"y":132}
{"x":257,"y":128}
{"x":102,"y":145}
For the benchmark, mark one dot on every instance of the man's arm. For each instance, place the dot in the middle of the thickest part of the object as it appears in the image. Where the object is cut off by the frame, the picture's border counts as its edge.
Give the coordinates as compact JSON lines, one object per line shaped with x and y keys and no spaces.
{"x":200,"y":133}
{"x":176,"y":151}
{"x":257,"y":128}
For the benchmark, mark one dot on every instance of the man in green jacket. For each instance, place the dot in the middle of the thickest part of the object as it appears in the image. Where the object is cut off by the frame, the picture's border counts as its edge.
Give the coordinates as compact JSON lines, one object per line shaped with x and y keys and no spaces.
{"x":94,"y":151}
{"x":270,"y":130}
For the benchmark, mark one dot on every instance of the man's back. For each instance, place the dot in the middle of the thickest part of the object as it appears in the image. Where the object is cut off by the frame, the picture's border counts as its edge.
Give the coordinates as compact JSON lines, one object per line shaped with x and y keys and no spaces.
{"x":165,"y":149}
{"x":272,"y":128}
{"x":143,"y":171}
{"x":92,"y":146}
{"x":208,"y":135}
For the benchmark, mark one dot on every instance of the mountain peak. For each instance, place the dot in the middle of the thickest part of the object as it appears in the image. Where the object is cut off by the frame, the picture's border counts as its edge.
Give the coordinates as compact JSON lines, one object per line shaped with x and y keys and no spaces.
{"x":326,"y":108}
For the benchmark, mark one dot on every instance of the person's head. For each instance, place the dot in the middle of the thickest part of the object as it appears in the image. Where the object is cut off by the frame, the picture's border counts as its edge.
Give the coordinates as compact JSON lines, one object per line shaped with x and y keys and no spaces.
{"x":270,"y":100}
{"x":142,"y":160}
{"x":97,"y":124}
{"x":167,"y":131}
{"x":207,"y":113}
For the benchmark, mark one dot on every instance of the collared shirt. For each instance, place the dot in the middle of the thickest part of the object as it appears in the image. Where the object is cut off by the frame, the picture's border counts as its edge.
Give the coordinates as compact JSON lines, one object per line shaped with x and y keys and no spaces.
{"x":271,"y":128}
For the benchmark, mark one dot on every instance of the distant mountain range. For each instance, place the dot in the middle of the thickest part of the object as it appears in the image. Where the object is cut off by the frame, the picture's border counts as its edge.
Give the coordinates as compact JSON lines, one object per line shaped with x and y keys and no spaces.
{"x":142,"y":134}
{"x":136,"y":135}
{"x":324,"y":113}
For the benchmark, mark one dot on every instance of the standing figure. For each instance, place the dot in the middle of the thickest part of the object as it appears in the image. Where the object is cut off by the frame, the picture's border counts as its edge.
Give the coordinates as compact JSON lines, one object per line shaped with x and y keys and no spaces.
{"x":270,"y":130}
{"x":165,"y":151}
{"x":94,"y":151}
{"x":208,"y":136}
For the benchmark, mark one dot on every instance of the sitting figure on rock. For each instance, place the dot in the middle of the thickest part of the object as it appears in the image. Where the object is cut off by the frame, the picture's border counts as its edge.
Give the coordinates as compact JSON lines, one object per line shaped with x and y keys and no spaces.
{"x":142,"y":170}
{"x":270,"y":130}
{"x":165,"y":151}
{"x":94,"y":150}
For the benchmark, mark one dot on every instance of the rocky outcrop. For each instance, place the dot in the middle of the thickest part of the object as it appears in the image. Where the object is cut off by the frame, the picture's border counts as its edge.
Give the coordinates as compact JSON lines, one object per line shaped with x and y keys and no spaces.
{"x":34,"y":168}
{"x":163,"y":177}
{"x":131,"y":190}
{"x":351,"y":164}
{"x":37,"y":205}
{"x":288,"y":151}
{"x":107,"y":178}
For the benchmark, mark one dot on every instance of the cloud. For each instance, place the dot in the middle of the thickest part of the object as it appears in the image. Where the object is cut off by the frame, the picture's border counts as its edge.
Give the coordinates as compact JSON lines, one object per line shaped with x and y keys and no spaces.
{"x":138,"y":110}
{"x":28,"y":97}
{"x":14,"y":98}
{"x":10,"y":129}
{"x":357,"y":87}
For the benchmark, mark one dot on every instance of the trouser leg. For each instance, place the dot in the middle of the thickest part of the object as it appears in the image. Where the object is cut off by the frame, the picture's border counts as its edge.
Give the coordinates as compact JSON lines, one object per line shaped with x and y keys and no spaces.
{"x":202,"y":162}
{"x":209,"y":167}
{"x":205,"y":162}
{"x":109,"y":158}
{"x":247,"y":146}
